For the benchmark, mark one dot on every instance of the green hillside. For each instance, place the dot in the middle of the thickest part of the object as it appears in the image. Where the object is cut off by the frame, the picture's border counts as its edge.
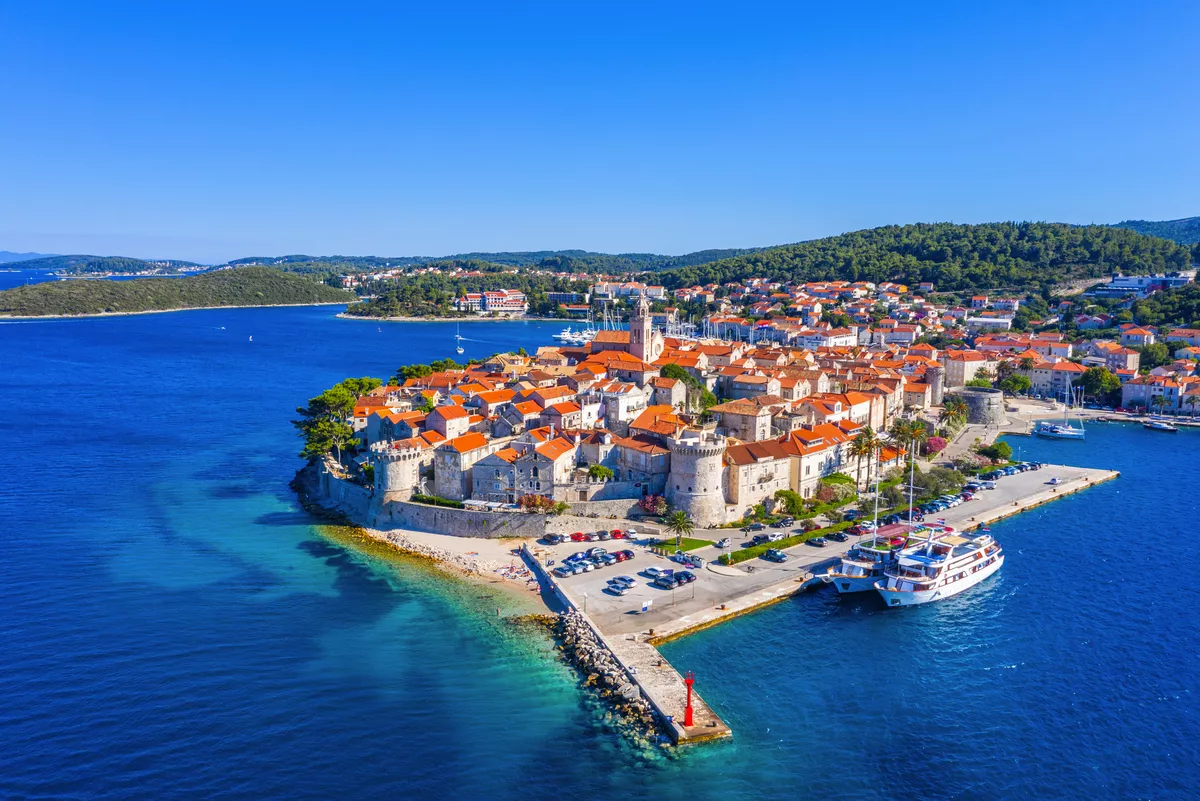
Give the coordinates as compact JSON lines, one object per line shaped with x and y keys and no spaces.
{"x":245,"y":286}
{"x":1186,"y":231}
{"x":1018,"y":256}
{"x":553,"y":260}
{"x":86,"y":265}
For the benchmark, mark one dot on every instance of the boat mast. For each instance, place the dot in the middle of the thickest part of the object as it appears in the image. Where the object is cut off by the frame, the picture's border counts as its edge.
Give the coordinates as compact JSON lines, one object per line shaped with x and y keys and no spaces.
{"x":875,"y":529}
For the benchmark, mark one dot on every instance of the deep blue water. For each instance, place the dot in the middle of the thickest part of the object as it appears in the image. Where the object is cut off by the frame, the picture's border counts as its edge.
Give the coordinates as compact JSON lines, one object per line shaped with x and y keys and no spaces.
{"x":174,"y":626}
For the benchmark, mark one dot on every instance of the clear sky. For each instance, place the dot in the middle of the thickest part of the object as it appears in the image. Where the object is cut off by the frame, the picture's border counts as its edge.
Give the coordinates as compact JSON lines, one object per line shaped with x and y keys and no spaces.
{"x":210,"y":131}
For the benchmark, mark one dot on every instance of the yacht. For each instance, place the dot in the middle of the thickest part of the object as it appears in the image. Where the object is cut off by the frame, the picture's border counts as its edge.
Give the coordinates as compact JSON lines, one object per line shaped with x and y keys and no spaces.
{"x":938,"y":569}
{"x":458,"y":348}
{"x":565,"y":335}
{"x":864,"y":564}
{"x":1063,"y":430}
{"x":1160,"y":425}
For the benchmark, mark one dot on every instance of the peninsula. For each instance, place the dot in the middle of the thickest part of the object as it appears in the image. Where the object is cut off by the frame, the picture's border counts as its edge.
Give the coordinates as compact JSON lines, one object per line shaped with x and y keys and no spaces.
{"x":733,"y":459}
{"x":245,"y":286}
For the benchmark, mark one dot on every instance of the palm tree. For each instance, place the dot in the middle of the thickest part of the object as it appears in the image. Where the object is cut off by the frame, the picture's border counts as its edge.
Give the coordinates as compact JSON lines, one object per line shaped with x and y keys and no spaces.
{"x":1159,"y":401}
{"x":954,"y":409}
{"x":1192,"y":400}
{"x":1027,"y":363}
{"x":679,"y":524}
{"x":861,"y":447}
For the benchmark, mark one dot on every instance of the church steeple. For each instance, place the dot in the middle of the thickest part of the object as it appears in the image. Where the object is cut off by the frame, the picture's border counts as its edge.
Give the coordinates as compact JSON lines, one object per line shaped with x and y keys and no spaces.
{"x":640,"y":337}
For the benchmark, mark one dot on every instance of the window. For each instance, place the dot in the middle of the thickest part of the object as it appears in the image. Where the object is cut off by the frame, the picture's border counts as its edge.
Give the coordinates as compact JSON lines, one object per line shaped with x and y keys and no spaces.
{"x":497,"y":474}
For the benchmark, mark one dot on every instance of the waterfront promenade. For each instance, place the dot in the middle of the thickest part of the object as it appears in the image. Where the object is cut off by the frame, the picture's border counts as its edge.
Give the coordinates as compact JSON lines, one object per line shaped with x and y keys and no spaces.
{"x":722,"y":592}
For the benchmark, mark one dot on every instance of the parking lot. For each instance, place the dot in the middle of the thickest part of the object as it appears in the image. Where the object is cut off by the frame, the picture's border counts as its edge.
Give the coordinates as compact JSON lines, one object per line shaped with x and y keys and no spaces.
{"x":716,"y":585}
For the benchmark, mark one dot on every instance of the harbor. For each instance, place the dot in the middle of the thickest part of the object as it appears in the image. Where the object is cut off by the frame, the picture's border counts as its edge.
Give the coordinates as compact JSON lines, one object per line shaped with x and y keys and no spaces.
{"x":631,"y":625}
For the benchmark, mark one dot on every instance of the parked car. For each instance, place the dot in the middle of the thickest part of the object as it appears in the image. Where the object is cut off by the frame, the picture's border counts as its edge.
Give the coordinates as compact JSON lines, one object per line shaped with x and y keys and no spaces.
{"x":627,"y":553}
{"x":617,"y":534}
{"x":775,"y":555}
{"x":774,"y":536}
{"x":654,"y":572}
{"x":837,"y":536}
{"x":753,"y":527}
{"x":817,"y":542}
{"x":856,"y":530}
{"x":578,"y":556}
{"x":578,"y":536}
{"x":784,"y":522}
{"x":596,"y":551}
{"x":585,"y":566}
{"x":593,"y":537}
{"x":628,"y":581}
{"x":554,"y":539}
{"x":851,"y":515}
{"x":562,"y":571}
{"x":685,"y":577}
{"x":604,"y":535}
{"x":616,"y":589}
{"x":724,"y":542}
{"x":620,"y":555}
{"x":666,"y":581}
{"x":608,"y":559}
{"x":758,"y":539}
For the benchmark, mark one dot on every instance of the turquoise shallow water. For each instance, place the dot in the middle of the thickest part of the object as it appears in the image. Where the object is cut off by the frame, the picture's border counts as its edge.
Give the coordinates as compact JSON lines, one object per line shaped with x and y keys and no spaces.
{"x":173,"y":625}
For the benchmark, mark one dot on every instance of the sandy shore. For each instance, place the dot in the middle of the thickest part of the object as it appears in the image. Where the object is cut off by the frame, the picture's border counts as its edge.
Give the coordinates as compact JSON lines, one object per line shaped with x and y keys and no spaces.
{"x":494,"y":563}
{"x":163,"y":311}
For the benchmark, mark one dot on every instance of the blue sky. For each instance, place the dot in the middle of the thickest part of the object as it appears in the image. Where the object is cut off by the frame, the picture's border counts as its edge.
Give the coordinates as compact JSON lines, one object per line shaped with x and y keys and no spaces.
{"x":210,"y":131}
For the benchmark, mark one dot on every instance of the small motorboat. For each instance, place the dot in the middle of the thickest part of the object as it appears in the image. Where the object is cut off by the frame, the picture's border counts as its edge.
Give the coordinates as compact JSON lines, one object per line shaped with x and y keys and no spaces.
{"x":1160,"y":425}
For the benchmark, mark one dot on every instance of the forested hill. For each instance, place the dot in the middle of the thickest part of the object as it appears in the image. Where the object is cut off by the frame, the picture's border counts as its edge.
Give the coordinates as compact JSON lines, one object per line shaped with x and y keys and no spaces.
{"x":92,"y":265}
{"x":244,"y":286}
{"x":1185,"y":231}
{"x":1174,"y":307}
{"x":1024,"y":256}
{"x":554,"y":260}
{"x":433,"y":294}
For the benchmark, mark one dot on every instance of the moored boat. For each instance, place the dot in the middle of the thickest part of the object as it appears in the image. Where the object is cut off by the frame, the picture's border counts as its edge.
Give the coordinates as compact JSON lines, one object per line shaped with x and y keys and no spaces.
{"x":1160,"y":425}
{"x":940,"y":569}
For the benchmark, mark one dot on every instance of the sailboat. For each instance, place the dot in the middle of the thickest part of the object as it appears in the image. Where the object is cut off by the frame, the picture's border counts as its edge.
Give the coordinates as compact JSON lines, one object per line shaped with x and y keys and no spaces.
{"x":458,"y":348}
{"x":1063,"y":430}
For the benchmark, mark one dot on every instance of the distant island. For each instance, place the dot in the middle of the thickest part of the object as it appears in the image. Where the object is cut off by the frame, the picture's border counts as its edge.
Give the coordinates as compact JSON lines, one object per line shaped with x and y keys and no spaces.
{"x":1185,"y":231}
{"x":103,"y":265}
{"x":244,"y":286}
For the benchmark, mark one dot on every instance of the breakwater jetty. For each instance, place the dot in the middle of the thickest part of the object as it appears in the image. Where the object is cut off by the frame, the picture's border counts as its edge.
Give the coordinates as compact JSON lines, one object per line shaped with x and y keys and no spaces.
{"x":632,"y":659}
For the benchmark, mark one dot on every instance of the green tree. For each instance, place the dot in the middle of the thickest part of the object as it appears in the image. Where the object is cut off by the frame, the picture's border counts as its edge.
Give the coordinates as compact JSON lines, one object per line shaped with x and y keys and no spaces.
{"x":979,"y":381}
{"x":1016,"y":384}
{"x":1099,"y":383}
{"x":680,"y":525}
{"x":600,"y":472}
{"x":862,"y":447}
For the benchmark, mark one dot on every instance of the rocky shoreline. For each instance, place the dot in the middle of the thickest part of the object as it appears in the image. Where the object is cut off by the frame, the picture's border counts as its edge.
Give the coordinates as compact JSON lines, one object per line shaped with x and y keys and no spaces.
{"x":575,"y":641}
{"x":601,"y":671}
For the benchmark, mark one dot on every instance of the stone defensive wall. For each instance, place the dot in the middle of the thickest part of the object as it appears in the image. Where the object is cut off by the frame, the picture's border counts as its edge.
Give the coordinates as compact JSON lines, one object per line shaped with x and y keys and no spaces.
{"x":984,"y":406}
{"x":459,"y":522}
{"x":344,"y":496}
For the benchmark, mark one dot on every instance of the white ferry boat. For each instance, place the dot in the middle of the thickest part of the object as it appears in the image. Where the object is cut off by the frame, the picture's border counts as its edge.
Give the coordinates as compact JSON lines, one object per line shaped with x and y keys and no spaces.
{"x":863,"y":565}
{"x":938,"y":569}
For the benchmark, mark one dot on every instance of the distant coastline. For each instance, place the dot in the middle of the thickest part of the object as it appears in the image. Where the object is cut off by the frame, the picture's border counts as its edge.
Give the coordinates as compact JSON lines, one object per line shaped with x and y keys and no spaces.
{"x":163,"y":311}
{"x":346,"y":316}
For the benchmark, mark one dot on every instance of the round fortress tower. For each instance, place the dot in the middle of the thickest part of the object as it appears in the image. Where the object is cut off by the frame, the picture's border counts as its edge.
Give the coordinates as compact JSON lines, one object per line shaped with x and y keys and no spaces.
{"x":397,"y":471}
{"x":695,"y":483}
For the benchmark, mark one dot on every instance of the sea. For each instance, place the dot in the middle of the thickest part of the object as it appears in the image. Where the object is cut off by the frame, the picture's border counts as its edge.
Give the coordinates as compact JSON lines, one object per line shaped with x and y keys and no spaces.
{"x":174,"y":625}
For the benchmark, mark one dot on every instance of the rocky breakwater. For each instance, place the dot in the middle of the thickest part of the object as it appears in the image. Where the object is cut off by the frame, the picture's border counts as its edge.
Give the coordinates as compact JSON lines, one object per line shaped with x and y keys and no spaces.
{"x":582,"y":648}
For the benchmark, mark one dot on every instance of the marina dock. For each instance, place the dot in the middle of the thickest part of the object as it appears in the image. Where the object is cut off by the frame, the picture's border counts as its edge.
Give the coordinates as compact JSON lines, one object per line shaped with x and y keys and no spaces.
{"x":725,"y":592}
